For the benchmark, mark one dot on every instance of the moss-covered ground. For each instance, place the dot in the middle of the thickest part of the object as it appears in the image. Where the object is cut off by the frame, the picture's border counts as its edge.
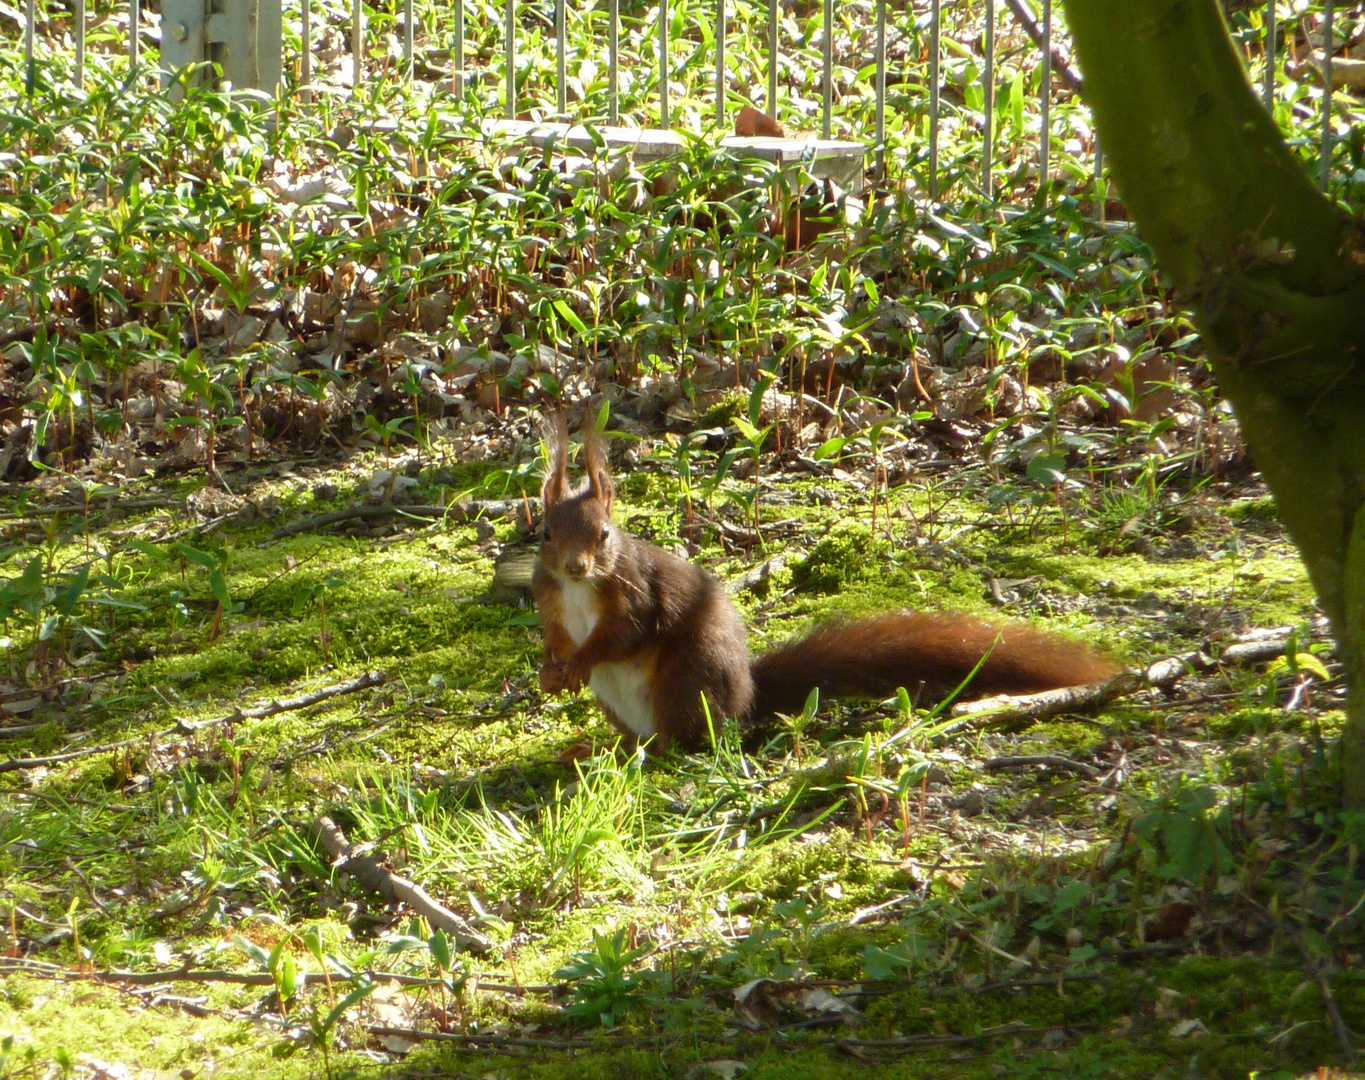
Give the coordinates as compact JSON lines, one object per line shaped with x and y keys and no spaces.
{"x":1176,"y":906}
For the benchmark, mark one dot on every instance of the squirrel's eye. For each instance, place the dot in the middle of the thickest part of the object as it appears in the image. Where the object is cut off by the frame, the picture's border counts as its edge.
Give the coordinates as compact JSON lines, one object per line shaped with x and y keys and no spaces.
{"x":606,"y":531}
{"x":545,"y":533}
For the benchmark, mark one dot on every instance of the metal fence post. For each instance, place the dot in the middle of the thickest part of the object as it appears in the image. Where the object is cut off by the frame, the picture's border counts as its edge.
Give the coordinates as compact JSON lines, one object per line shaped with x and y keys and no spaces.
{"x":881,"y":89}
{"x":1326,"y":166}
{"x":80,"y":44}
{"x":663,"y":64}
{"x":243,"y":37}
{"x":1098,"y":178}
{"x":614,"y":62}
{"x":935,"y":26}
{"x":827,"y":58}
{"x":772,"y":58}
{"x":357,"y":44}
{"x":511,"y":59}
{"x":306,"y":60}
{"x":408,"y":33}
{"x":988,"y":77}
{"x":561,"y":62}
{"x":720,"y":63}
{"x":459,"y":48}
{"x":1045,"y":98}
{"x":134,"y":20}
{"x":30,"y":70}
{"x":1272,"y":28}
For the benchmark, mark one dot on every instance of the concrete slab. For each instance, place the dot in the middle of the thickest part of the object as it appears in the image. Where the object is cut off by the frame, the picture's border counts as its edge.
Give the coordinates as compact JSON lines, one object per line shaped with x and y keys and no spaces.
{"x":835,"y":159}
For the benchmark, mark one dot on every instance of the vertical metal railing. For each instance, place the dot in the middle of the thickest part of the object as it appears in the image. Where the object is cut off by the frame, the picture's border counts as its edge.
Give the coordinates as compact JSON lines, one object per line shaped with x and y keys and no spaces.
{"x":409,"y":32}
{"x":614,"y":61}
{"x":773,"y":13}
{"x":1042,"y":33}
{"x":1045,"y":100}
{"x":357,"y":44}
{"x":663,"y":64}
{"x":720,"y":63}
{"x":458,"y":77}
{"x":1272,"y":27}
{"x":30,"y":69}
{"x":80,"y":44}
{"x":881,"y":89}
{"x":988,"y":85}
{"x":306,"y":60}
{"x":1325,"y":167}
{"x":511,"y":59}
{"x":827,"y":62}
{"x":561,"y":59}
{"x":935,"y":29}
{"x":134,"y":38}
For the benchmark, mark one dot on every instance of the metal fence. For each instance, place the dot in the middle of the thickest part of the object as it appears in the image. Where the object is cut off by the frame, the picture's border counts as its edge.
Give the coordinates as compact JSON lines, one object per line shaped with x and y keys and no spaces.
{"x":245,"y":37}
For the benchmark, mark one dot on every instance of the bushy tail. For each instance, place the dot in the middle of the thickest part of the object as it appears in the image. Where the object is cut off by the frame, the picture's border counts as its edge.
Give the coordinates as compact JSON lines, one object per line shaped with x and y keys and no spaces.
{"x":926,"y":652}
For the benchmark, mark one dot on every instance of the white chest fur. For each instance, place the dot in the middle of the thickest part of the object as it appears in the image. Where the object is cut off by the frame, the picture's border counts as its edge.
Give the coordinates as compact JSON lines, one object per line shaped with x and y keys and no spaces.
{"x":623,"y":688}
{"x":580,"y":609}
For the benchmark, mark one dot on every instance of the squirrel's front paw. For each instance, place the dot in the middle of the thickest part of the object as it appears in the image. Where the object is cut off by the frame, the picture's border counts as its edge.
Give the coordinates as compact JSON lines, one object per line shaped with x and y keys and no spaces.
{"x":575,"y":675}
{"x":551,"y":677}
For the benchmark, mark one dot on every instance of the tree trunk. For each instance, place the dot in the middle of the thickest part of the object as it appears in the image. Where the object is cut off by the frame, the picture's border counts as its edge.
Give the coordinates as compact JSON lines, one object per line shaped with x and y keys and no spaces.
{"x":1274,"y":271}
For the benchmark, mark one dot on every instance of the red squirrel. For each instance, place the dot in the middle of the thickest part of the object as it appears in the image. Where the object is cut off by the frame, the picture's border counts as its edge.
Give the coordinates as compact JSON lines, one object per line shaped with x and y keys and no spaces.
{"x":650,"y":633}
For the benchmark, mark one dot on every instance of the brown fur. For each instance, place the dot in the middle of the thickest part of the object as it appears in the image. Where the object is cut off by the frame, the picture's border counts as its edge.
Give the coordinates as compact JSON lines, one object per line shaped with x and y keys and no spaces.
{"x":928,"y":653}
{"x":672,"y":623}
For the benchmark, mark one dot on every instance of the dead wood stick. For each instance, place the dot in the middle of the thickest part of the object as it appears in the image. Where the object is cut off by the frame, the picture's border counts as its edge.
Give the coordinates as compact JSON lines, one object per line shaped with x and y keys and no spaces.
{"x":459,"y":511}
{"x":370,"y":678}
{"x":1014,"y":1028}
{"x":1052,"y":761}
{"x":37,"y":969}
{"x":24,"y":764}
{"x":1329,"y":1001}
{"x":1063,"y":69}
{"x":1007,"y":709}
{"x":375,"y":878}
{"x":302,"y":701}
{"x":1253,"y":649}
{"x":456,"y":1040}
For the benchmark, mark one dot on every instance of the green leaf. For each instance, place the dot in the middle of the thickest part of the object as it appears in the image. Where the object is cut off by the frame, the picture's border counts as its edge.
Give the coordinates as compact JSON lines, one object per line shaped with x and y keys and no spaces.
{"x":1048,"y":469}
{"x":71,"y":595}
{"x":202,"y":558}
{"x":288,"y":976}
{"x":312,"y":941}
{"x":830,"y":447}
{"x":219,"y":586}
{"x":252,"y":950}
{"x":363,"y":990}
{"x":570,"y":316}
{"x":441,"y":952}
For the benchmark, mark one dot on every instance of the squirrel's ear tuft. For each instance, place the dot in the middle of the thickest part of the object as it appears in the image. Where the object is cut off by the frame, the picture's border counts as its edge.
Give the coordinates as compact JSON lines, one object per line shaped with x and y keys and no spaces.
{"x":595,"y":461}
{"x":557,"y":444}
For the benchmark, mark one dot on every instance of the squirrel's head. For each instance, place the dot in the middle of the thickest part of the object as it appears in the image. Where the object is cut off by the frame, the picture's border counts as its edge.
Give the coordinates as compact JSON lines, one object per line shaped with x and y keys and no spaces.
{"x":578,"y":539}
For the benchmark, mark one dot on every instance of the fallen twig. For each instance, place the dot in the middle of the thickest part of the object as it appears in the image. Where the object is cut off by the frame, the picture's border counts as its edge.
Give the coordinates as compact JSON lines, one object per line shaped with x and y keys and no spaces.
{"x":455,"y":1040}
{"x":376,"y":878}
{"x":1329,"y":1001}
{"x":370,"y":678}
{"x":1052,"y":761}
{"x":459,"y":511}
{"x":1006,"y":709}
{"x":1010,"y":1030}
{"x":24,"y":764}
{"x":39,"y":969}
{"x":363,"y":682}
{"x":1063,"y":70}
